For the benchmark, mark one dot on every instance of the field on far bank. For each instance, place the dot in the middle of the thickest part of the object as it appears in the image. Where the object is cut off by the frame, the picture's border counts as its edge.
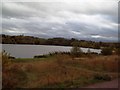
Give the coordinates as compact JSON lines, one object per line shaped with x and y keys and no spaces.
{"x":61,"y":71}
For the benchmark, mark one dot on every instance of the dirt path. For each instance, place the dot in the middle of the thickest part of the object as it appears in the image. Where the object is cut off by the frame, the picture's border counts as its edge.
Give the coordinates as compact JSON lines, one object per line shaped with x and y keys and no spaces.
{"x":108,"y":84}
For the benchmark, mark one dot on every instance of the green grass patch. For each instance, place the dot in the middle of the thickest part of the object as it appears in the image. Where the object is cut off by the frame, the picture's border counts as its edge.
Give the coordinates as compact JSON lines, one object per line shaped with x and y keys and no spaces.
{"x":32,"y":59}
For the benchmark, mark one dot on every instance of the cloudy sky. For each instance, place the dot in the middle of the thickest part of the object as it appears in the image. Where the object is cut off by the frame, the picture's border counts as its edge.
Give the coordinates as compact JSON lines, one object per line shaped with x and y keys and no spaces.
{"x":84,"y":19}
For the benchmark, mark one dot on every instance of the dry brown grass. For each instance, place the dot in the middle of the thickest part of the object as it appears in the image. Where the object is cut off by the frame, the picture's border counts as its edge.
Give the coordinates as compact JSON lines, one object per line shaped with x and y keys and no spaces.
{"x":102,"y":63}
{"x":63,"y":70}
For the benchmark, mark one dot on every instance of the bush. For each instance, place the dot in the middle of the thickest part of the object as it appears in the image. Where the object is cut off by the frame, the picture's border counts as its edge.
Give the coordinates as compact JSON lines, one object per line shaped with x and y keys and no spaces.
{"x":76,"y":51}
{"x":105,"y":77}
{"x":40,"y":56}
{"x":106,"y":51}
{"x":117,"y":51}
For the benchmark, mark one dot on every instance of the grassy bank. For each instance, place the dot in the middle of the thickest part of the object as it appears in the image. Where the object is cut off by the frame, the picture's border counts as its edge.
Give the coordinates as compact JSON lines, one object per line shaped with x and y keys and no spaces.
{"x":61,"y":71}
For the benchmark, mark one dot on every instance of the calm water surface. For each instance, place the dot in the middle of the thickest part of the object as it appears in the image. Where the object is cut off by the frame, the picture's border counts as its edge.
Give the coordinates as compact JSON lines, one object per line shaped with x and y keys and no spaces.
{"x":29,"y":51}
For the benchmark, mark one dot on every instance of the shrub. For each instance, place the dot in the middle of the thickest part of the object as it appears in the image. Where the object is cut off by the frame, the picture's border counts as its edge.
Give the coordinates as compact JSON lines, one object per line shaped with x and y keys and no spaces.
{"x":5,"y":58}
{"x":76,"y":51}
{"x":88,"y":51}
{"x":107,"y":77}
{"x":106,"y":51}
{"x":40,"y":56}
{"x":117,"y":51}
{"x":102,"y":77}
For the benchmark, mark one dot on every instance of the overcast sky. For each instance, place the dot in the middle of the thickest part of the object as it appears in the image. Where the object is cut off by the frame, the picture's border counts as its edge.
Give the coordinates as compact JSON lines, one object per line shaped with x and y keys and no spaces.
{"x":89,"y":20}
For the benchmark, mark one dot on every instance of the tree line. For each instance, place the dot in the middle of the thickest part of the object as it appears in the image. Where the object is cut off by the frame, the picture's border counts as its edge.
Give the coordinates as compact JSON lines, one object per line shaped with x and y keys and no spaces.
{"x":21,"y":39}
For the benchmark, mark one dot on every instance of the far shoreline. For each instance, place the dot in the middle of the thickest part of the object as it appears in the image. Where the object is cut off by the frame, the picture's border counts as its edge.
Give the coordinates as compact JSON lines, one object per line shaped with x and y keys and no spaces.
{"x":52,"y":45}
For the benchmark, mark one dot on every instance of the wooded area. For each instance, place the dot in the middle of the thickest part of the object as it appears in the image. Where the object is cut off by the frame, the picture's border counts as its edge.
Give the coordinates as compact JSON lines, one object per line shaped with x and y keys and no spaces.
{"x":21,"y":39}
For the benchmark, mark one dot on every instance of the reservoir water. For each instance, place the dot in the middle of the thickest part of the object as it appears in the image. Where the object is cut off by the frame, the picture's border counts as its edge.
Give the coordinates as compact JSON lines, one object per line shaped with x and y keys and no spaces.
{"x":29,"y":51}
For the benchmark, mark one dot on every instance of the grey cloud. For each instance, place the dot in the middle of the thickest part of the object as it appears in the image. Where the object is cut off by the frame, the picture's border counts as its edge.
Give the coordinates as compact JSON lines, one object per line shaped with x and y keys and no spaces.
{"x":69,"y":20}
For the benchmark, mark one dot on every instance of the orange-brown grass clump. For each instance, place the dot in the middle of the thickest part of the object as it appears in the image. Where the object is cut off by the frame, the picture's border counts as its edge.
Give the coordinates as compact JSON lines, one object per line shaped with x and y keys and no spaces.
{"x":12,"y":75}
{"x":62,"y":71}
{"x":101,"y":63}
